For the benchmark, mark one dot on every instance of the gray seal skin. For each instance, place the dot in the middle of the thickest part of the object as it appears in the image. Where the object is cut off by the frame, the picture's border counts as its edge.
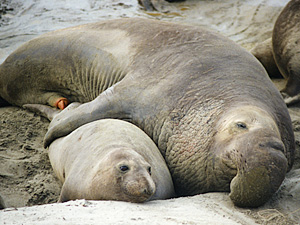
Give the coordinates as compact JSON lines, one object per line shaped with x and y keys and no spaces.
{"x":285,"y":38}
{"x":108,"y":159}
{"x":183,"y":85}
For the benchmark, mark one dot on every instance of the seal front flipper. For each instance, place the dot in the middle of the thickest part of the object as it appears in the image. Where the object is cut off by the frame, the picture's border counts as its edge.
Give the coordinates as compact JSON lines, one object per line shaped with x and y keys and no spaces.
{"x":106,"y":105}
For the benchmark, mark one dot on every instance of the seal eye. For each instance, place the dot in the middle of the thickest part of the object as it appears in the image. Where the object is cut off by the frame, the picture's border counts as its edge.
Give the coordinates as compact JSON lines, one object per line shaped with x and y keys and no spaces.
{"x":149,"y":170}
{"x":124,"y":168}
{"x":241,"y":125}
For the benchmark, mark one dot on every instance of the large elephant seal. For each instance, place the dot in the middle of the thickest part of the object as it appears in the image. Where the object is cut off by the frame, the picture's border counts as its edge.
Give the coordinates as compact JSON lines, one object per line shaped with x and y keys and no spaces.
{"x":108,"y":159}
{"x":207,"y":103}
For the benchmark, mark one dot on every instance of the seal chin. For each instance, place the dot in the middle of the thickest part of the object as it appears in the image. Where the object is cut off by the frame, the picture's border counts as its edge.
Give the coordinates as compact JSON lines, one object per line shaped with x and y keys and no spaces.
{"x":259,"y":175}
{"x":139,"y":192}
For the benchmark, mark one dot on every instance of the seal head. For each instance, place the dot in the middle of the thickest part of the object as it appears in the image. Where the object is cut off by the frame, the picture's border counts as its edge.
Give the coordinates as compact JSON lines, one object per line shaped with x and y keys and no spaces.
{"x":122,"y":175}
{"x":248,"y":143}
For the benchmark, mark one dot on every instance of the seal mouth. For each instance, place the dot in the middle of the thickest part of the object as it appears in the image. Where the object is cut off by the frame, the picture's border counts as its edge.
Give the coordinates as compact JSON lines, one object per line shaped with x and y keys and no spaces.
{"x":137,"y":192}
{"x":230,"y":164}
{"x":260,"y":172}
{"x":141,"y":196}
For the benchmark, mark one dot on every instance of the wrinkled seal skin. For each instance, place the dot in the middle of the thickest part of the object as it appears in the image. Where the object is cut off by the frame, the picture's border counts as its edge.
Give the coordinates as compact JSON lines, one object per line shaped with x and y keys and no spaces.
{"x":286,"y":46}
{"x":109,"y":160}
{"x":181,"y":85}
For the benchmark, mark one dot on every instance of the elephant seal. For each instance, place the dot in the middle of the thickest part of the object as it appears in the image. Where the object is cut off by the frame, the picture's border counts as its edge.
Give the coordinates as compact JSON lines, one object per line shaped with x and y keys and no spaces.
{"x":108,"y":159}
{"x":280,"y":54}
{"x":264,"y":53}
{"x":183,"y":85}
{"x":286,"y":49}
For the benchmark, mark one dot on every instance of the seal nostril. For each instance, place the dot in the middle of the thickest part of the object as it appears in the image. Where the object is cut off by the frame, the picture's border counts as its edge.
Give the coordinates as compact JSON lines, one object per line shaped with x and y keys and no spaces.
{"x":147,"y":192}
{"x":149,"y":170}
{"x":273,"y":144}
{"x":277,"y":146}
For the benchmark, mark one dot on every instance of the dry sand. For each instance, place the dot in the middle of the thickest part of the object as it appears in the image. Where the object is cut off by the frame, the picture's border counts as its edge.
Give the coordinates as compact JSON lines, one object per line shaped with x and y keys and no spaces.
{"x":27,"y":183}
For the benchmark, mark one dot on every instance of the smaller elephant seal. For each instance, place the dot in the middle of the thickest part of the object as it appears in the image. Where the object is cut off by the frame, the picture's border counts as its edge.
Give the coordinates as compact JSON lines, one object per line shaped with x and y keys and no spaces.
{"x":108,"y":159}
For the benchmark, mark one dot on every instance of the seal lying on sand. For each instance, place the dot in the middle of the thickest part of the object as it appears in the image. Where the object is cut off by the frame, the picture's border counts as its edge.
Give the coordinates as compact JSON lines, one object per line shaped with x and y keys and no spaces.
{"x":285,"y":50}
{"x":208,"y":104}
{"x":108,"y":160}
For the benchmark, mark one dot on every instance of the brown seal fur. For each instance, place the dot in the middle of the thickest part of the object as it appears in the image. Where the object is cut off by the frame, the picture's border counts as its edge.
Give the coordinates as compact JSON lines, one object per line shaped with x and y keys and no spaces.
{"x":179,"y":84}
